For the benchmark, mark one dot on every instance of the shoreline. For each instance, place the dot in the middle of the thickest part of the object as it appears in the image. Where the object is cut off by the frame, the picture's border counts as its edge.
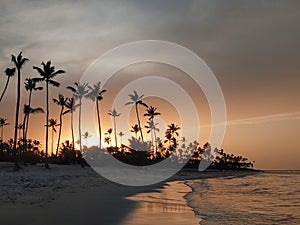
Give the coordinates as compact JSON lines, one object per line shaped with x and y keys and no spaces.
{"x":79,"y":196}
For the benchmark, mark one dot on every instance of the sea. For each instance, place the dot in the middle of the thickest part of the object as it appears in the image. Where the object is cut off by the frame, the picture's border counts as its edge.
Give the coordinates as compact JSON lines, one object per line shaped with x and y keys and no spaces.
{"x":269,"y":197}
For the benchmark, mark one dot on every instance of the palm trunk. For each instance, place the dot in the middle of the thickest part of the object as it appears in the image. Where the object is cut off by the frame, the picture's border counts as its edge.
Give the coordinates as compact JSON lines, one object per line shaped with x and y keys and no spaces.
{"x":115,"y":128}
{"x":60,"y":127}
{"x":23,"y":123}
{"x":47,"y":119}
{"x":4,"y":90}
{"x":2,"y":139}
{"x":79,"y":125}
{"x":155,"y":136}
{"x":139,"y":122}
{"x":72,"y":129}
{"x":16,"y":165}
{"x":52,"y":141}
{"x":99,"y":123}
{"x":27,"y":119}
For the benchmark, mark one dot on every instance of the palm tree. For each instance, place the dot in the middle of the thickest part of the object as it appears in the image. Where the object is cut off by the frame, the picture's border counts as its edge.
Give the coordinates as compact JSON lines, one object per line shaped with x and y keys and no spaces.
{"x":137,"y":100}
{"x":121,"y":134}
{"x":115,"y":114}
{"x":30,"y":85}
{"x":96,"y":96}
{"x":168,"y":136}
{"x":85,"y":136}
{"x":27,"y":111}
{"x":107,"y":140}
{"x":135,"y":129}
{"x":171,"y":131}
{"x":60,"y":101}
{"x":20,"y":128}
{"x":52,"y":123}
{"x":9,"y":72}
{"x":151,"y":129}
{"x":172,"y":128}
{"x":70,"y":105}
{"x":47,"y":74}
{"x":79,"y":92}
{"x":19,"y":61}
{"x":151,"y":112}
{"x":2,"y":124}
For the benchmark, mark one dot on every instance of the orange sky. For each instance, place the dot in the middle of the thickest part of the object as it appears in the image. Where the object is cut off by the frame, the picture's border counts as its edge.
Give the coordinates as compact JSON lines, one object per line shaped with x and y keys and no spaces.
{"x":252,"y":48}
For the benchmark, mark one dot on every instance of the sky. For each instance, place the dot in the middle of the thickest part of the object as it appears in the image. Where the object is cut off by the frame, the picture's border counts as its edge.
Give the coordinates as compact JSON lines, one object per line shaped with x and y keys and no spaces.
{"x":252,"y":47}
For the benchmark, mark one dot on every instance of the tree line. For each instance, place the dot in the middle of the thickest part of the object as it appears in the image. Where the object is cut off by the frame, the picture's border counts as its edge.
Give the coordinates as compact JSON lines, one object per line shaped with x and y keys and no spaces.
{"x":22,"y":149}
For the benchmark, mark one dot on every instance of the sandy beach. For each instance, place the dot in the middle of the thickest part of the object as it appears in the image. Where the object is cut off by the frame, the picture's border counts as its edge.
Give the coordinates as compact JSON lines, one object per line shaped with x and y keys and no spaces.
{"x":72,"y":195}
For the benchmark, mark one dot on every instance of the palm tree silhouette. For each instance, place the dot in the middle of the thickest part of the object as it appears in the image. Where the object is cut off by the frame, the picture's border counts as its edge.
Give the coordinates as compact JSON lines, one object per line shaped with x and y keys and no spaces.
{"x":20,"y":128}
{"x":47,"y":74}
{"x":19,"y":61}
{"x":95,"y":95}
{"x":152,"y":129}
{"x":172,"y":128}
{"x":168,"y":136}
{"x":79,"y":92}
{"x":107,"y":140}
{"x":109,"y":131}
{"x":115,"y":114}
{"x":52,"y":123}
{"x":171,"y":131}
{"x":2,"y":124}
{"x":137,"y":100}
{"x":152,"y":112}
{"x":135,"y":129}
{"x":9,"y":72}
{"x":27,"y":111}
{"x":121,"y":134}
{"x":85,"y":136}
{"x":70,"y":105}
{"x":30,"y":85}
{"x":60,"y":101}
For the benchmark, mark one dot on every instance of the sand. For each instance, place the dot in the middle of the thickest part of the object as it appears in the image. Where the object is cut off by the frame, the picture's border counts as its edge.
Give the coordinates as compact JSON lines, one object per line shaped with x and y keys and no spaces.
{"x":72,"y":195}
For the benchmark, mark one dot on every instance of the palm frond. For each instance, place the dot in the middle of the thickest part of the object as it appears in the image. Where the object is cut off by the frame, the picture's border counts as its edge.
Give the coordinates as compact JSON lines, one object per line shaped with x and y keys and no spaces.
{"x":57,"y":73}
{"x":72,"y":89}
{"x":54,"y":83}
{"x":39,"y":70}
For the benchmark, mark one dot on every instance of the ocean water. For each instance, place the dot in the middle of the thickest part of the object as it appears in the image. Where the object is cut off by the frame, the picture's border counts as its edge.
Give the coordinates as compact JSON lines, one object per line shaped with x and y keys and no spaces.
{"x":271,"y":197}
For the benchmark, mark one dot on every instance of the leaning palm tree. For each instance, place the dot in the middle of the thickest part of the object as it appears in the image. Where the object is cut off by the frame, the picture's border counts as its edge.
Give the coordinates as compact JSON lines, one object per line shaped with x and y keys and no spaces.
{"x":2,"y":124}
{"x":137,"y":100}
{"x":70,"y":105}
{"x":95,"y":95}
{"x":27,"y":111}
{"x":19,"y":61}
{"x":79,"y":91}
{"x":152,"y":112}
{"x":60,"y":101}
{"x":9,"y":72}
{"x":30,"y":85}
{"x":135,"y":129}
{"x":52,"y":123}
{"x":47,"y":74}
{"x":115,"y":114}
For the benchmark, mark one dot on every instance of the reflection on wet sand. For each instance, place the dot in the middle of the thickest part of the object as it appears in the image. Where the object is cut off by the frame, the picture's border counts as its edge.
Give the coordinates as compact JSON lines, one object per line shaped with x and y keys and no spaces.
{"x":166,"y":206}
